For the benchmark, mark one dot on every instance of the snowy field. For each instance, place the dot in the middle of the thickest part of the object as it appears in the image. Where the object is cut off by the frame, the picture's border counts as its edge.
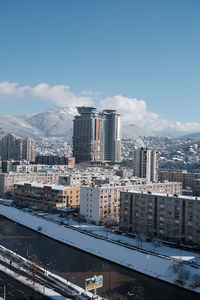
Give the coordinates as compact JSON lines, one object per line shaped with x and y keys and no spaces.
{"x":173,"y":268}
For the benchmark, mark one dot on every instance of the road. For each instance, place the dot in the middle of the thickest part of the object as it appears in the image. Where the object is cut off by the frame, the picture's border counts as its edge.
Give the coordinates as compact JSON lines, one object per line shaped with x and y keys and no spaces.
{"x":31,"y":270}
{"x":16,"y":290}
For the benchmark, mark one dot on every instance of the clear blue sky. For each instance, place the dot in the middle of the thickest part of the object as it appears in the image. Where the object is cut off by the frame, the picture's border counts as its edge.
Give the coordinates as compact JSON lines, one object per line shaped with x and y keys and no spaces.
{"x":148,"y":49}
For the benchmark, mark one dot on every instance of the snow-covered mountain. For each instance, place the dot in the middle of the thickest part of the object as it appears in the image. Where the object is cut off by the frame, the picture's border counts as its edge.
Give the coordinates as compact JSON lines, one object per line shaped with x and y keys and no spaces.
{"x":51,"y":122}
{"x":18,"y":126}
{"x":59,"y":123}
{"x":195,"y":135}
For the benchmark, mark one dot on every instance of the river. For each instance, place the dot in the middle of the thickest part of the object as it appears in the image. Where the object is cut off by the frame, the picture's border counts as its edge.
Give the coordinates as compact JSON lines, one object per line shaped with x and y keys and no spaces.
{"x":76,"y":266}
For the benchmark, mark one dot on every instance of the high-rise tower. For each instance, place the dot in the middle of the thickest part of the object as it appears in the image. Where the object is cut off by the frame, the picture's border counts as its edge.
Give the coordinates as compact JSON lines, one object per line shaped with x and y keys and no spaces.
{"x":28,"y":149}
{"x":145,"y":162}
{"x":87,"y":135}
{"x":112,"y":139}
{"x":11,"y":147}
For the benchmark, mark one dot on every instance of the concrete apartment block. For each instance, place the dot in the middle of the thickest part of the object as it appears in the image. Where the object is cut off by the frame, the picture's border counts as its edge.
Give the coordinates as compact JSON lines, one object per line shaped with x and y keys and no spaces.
{"x":171,"y":217}
{"x":46,"y":196}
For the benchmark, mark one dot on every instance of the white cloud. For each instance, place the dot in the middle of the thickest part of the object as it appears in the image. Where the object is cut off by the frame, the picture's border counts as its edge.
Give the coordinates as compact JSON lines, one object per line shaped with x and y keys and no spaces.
{"x":137,"y":120}
{"x":60,"y":95}
{"x":89,"y":93}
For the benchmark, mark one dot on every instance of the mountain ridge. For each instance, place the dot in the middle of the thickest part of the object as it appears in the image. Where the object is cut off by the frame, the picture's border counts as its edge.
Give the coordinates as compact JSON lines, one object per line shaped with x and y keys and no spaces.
{"x":58,"y":122}
{"x":47,"y":123}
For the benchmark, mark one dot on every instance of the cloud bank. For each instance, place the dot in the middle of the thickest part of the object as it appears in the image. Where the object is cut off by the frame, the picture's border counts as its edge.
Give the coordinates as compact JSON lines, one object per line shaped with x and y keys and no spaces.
{"x":136,"y":118}
{"x":60,"y":95}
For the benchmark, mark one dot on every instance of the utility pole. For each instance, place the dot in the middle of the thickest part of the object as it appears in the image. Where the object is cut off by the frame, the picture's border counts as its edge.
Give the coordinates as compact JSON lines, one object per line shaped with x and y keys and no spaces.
{"x":4,"y":292}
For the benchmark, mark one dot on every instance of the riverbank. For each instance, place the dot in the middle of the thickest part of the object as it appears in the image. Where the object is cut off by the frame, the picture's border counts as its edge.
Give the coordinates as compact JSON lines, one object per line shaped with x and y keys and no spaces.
{"x":158,"y":267}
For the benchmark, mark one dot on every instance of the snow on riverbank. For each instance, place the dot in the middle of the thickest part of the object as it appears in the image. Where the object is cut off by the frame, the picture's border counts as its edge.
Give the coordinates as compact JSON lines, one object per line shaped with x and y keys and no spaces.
{"x":155,"y":246}
{"x":152,"y":265}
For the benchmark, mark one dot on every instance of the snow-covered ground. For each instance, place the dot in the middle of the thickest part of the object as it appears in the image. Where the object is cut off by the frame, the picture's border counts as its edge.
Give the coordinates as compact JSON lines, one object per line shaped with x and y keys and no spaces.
{"x":157,"y":266}
{"x":155,"y":246}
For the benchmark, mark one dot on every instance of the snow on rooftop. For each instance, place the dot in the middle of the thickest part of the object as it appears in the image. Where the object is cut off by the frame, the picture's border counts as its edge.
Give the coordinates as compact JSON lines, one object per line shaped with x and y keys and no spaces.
{"x":42,"y":185}
{"x":164,"y":195}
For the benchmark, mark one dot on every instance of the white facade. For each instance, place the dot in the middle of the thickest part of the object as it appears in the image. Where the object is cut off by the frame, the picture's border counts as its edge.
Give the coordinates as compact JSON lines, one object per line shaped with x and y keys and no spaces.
{"x":100,"y":204}
{"x":90,"y":203}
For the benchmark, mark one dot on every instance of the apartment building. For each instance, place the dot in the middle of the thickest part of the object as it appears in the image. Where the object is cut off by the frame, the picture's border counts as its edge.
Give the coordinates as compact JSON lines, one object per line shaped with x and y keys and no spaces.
{"x":111,"y":136}
{"x":97,"y":136}
{"x":145,"y":162}
{"x":190,"y":181}
{"x":28,"y":149}
{"x":11,"y":147}
{"x":196,"y":187}
{"x":46,"y":196}
{"x":160,"y":187}
{"x":75,"y":179}
{"x":23,"y":166}
{"x":171,"y":217}
{"x":183,"y":176}
{"x":14,"y":147}
{"x":100,"y":203}
{"x":87,"y":136}
{"x":7,"y":180}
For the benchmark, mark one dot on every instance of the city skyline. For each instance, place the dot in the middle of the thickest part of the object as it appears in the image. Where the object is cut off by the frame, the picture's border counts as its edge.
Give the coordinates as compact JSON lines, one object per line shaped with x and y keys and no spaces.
{"x":139,"y":58}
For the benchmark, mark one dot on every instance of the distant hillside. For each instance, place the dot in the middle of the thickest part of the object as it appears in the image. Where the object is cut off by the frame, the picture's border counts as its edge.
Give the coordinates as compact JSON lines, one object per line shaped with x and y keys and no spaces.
{"x":49,"y":123}
{"x":18,"y":126}
{"x":192,"y":135}
{"x":52,"y":122}
{"x":59,"y":123}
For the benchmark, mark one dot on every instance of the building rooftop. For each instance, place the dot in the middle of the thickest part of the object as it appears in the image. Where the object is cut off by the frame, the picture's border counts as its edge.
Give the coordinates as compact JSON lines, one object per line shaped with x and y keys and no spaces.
{"x":86,"y":109}
{"x":165,"y":195}
{"x":42,"y":185}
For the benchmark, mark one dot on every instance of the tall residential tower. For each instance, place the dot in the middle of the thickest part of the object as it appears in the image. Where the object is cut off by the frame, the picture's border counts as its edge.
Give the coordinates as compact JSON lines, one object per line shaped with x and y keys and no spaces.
{"x":28,"y":149}
{"x":87,"y":135}
{"x":145,"y":162}
{"x":12,"y":147}
{"x":96,"y":136}
{"x":112,"y":139}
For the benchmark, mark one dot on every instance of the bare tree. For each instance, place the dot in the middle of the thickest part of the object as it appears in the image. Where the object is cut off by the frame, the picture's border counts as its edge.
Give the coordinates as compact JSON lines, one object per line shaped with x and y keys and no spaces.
{"x":33,"y":265}
{"x":195,"y":281}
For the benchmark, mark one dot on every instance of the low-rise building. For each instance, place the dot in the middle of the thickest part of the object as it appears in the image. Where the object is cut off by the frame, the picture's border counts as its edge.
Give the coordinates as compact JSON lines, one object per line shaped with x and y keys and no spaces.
{"x":172,"y":217}
{"x":46,"y":196}
{"x":100,"y":203}
{"x":187,"y":179}
{"x":7,"y":180}
{"x":160,"y":187}
{"x":75,"y":179}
